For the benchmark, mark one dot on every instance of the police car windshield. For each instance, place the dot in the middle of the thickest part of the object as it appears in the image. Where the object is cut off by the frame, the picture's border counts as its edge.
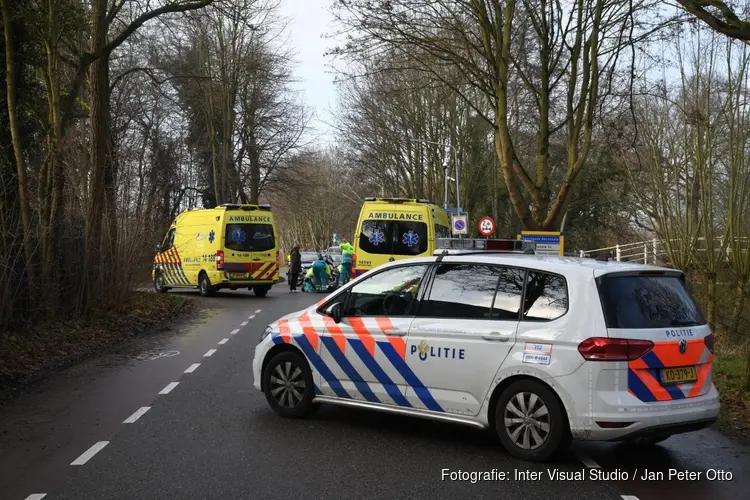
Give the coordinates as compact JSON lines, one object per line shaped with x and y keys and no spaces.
{"x":639,"y":302}
{"x":393,"y":237}
{"x":249,"y":237}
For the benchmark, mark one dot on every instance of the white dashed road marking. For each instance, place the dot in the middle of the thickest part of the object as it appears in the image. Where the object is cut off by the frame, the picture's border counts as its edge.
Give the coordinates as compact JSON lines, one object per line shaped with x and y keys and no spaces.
{"x":135,"y":416}
{"x":223,"y":341}
{"x":586,"y":460}
{"x":235,"y":331}
{"x":257,"y":311}
{"x":628,"y":497}
{"x":192,"y":368}
{"x":89,"y":454}
{"x":169,"y":388}
{"x":252,"y":316}
{"x":244,"y":323}
{"x":209,"y":353}
{"x":36,"y":496}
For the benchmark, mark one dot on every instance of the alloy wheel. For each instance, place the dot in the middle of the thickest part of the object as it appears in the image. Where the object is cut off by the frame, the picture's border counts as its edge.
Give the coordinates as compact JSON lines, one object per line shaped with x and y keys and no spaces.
{"x":527,"y":420}
{"x":288,"y":385}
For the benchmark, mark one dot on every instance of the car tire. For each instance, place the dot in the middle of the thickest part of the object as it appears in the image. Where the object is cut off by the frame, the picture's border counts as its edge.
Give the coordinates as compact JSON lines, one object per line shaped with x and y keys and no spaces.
{"x":204,"y":285}
{"x":530,"y":421}
{"x":260,"y":291}
{"x":289,"y":367}
{"x":159,"y":286}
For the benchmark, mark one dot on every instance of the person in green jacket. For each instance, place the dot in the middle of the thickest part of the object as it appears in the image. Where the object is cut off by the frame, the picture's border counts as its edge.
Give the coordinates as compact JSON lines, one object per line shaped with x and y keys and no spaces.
{"x":347,"y":251}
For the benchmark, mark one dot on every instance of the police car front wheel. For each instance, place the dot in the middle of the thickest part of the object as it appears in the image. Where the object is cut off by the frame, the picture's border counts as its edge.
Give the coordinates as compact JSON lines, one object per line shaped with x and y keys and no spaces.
{"x":529,"y":421}
{"x":288,"y":385}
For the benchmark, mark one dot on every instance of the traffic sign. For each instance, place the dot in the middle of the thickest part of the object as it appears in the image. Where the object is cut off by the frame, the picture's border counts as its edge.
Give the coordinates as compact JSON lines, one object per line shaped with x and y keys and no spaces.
{"x":460,"y":224}
{"x":486,"y":226}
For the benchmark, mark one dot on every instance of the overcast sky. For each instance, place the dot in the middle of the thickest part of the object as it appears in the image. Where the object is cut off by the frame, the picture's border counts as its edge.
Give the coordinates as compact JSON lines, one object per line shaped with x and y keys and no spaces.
{"x":310,"y":20}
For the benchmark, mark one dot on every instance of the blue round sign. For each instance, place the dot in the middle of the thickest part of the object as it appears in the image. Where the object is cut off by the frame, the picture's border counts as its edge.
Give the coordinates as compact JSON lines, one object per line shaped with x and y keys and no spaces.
{"x":460,"y":225}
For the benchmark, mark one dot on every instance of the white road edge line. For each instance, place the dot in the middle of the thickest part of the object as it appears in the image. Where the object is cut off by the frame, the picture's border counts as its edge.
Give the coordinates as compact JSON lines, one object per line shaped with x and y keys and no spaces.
{"x":244,"y":323}
{"x":89,"y":454}
{"x":135,"y":416}
{"x":36,"y":496}
{"x":257,"y":311}
{"x":192,"y":368}
{"x":223,"y":341}
{"x":235,"y":331}
{"x":628,"y":497}
{"x":209,"y":353}
{"x":168,"y":388}
{"x":586,"y":460}
{"x":252,"y":316}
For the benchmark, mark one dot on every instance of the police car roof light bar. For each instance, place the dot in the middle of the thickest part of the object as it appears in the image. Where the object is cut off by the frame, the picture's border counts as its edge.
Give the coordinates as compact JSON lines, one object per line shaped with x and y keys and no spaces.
{"x":459,"y":246}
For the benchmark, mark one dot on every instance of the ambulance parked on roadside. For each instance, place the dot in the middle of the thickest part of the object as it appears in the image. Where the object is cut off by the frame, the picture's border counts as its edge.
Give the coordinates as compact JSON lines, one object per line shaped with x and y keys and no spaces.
{"x":231,"y":246}
{"x":391,"y":229}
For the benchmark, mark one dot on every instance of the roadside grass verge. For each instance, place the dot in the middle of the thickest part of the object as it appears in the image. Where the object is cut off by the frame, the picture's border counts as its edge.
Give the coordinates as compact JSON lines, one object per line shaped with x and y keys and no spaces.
{"x":734,"y":419}
{"x":29,"y":354}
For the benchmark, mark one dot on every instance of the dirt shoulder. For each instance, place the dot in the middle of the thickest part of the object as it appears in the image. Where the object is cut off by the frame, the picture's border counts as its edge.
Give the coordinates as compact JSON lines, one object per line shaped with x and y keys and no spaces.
{"x":28,"y":355}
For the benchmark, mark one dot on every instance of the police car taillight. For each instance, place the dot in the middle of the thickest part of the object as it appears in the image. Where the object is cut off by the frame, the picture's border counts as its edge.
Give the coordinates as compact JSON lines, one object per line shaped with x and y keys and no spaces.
{"x":484,"y":245}
{"x":609,"y":349}
{"x":219,"y":260}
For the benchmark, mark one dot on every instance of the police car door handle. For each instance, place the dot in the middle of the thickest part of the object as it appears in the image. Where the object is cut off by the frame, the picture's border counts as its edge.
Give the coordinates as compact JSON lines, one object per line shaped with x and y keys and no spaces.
{"x":396,"y":333}
{"x":496,"y":336}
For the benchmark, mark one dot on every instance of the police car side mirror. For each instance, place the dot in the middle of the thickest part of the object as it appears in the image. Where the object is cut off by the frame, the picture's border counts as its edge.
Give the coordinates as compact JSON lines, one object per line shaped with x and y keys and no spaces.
{"x":335,"y":312}
{"x":157,"y":248}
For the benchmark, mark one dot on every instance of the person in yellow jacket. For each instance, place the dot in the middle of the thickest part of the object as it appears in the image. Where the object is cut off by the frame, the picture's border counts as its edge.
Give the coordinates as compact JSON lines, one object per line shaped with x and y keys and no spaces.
{"x":309,"y":284}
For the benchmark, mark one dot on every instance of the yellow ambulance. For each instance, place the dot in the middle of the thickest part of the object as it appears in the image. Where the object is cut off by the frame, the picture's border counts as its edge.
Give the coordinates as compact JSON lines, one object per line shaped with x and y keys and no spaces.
{"x":231,"y":246}
{"x":396,"y":228}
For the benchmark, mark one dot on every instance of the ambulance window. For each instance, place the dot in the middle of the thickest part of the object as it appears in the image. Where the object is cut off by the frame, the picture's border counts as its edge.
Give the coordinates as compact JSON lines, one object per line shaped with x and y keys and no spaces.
{"x":442,"y":231}
{"x":546,"y":297}
{"x":375,"y":237}
{"x":410,"y":238}
{"x":249,"y":237}
{"x":168,"y":240}
{"x":388,"y":293}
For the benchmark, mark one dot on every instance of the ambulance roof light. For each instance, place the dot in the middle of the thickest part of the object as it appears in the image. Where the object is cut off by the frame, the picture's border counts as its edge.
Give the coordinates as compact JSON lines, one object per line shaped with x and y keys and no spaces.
{"x":229,"y":205}
{"x":453,"y":246}
{"x":423,"y":200}
{"x":265,"y":206}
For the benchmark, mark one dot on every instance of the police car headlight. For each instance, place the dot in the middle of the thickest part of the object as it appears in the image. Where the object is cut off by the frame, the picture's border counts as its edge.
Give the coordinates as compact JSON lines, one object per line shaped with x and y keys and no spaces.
{"x":268,"y":331}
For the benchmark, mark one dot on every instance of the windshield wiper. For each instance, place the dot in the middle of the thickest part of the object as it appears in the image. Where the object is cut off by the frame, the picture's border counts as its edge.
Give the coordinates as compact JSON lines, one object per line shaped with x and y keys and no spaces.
{"x":683,"y":322}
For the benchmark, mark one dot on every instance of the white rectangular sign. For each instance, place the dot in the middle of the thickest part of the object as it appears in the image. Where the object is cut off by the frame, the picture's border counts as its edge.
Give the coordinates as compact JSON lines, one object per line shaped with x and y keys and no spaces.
{"x":460,"y":224}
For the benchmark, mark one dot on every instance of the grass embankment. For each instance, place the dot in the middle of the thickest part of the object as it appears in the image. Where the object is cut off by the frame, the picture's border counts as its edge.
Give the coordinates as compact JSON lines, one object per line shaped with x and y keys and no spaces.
{"x":729,"y":371}
{"x":27,"y":354}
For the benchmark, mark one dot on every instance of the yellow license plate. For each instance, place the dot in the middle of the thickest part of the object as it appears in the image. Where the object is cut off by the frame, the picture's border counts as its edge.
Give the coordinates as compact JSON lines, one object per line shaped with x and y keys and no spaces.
{"x":678,"y":375}
{"x":238,"y":276}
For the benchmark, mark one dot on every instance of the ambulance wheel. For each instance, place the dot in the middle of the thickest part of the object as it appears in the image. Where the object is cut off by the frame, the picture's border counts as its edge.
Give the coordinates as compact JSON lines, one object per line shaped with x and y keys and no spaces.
{"x":260,"y":291}
{"x":159,"y":284}
{"x":530,"y":421}
{"x":204,"y":285}
{"x":288,"y":385}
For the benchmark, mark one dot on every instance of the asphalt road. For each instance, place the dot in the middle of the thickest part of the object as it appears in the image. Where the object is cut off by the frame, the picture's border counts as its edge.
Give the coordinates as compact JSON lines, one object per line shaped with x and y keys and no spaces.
{"x":213,"y":436}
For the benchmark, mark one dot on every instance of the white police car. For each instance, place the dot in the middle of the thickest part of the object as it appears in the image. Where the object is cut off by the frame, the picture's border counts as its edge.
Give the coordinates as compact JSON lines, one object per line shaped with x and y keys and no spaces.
{"x":540,"y":350}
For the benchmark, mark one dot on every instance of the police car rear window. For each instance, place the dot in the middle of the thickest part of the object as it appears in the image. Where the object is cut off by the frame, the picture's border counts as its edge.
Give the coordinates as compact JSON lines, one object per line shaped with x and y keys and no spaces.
{"x":388,"y":237}
{"x":249,"y":237}
{"x":639,"y":302}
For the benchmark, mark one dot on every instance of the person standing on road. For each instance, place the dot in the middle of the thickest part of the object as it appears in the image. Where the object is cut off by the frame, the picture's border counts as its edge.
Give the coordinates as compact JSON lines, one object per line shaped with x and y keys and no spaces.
{"x":346,"y":262}
{"x":295,"y":268}
{"x":321,"y":271}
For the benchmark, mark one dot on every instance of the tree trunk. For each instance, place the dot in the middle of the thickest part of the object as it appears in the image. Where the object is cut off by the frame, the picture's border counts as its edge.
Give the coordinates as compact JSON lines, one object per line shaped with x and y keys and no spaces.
{"x":739,"y":307}
{"x":100,"y":139}
{"x":10,"y":79}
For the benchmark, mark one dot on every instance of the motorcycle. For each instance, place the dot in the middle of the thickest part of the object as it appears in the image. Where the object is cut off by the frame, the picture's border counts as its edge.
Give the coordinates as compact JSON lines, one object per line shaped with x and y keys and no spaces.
{"x":333,"y":277}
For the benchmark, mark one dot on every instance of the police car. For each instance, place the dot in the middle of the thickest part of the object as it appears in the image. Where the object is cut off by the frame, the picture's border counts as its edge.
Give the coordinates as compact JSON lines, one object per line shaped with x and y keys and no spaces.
{"x":540,"y":350}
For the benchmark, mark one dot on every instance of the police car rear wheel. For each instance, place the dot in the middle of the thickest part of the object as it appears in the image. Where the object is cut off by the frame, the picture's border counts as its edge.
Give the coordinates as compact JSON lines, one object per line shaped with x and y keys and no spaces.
{"x":529,"y":421}
{"x":288,"y":385}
